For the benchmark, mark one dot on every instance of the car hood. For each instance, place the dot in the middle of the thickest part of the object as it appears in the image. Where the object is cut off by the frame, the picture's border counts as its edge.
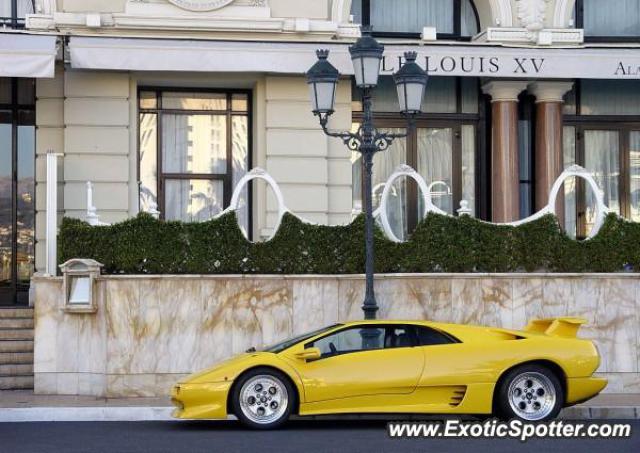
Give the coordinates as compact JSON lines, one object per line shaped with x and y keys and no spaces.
{"x":226,"y":370}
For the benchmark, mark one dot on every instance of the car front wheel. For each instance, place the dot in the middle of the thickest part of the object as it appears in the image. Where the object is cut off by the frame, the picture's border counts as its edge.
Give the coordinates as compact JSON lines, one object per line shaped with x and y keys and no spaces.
{"x":263,"y":398}
{"x":530,"y":393}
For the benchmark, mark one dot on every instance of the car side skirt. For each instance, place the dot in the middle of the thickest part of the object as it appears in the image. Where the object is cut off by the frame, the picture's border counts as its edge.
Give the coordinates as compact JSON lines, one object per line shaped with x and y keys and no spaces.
{"x":471,"y":399}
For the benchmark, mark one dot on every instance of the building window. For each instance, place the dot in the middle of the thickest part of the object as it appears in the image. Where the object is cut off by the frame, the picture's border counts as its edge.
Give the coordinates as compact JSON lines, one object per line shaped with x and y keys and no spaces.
{"x":17,"y":188}
{"x":193,"y":150}
{"x":13,"y":12}
{"x":603,"y":20}
{"x":452,"y":19}
{"x":442,"y":150}
{"x":602,"y":134}
{"x":526,"y":146}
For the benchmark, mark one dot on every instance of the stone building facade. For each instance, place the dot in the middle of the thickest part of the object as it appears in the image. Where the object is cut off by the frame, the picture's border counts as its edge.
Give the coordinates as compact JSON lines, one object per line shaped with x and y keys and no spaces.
{"x":165,"y":104}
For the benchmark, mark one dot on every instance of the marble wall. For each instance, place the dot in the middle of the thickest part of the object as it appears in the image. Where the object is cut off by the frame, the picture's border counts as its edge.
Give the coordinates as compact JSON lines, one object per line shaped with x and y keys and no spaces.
{"x":151,"y":330}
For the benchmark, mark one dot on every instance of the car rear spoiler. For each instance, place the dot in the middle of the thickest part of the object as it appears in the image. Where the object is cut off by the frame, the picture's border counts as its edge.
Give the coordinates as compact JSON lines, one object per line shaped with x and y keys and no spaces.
{"x":556,"y":327}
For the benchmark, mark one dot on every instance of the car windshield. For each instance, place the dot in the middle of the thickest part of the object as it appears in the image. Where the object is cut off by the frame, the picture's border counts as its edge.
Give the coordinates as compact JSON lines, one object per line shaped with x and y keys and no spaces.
{"x":279,"y":347}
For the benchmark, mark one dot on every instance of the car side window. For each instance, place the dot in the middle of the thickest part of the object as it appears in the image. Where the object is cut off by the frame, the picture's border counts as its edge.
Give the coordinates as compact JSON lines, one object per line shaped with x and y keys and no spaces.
{"x":429,"y":337}
{"x":363,"y":338}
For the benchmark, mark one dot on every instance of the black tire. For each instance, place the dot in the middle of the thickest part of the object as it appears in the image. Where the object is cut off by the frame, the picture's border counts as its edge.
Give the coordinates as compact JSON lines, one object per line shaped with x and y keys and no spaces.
{"x":545,"y":392}
{"x":252,"y":376}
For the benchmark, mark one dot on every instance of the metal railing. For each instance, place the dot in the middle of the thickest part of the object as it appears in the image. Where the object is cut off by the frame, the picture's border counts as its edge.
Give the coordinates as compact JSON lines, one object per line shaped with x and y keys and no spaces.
{"x":13,"y":12}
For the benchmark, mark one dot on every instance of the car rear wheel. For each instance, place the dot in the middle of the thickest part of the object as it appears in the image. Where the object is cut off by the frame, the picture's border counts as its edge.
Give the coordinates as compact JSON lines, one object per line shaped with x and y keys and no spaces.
{"x":530,"y":393}
{"x":263,"y":398}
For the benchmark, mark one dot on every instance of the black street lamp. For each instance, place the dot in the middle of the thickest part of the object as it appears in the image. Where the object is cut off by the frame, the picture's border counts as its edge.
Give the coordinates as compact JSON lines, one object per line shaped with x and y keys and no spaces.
{"x":410,"y":80}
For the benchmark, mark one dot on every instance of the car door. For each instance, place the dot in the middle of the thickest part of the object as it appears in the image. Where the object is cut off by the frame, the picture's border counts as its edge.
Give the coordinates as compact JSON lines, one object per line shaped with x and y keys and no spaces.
{"x":448,"y":362}
{"x":362,"y":360}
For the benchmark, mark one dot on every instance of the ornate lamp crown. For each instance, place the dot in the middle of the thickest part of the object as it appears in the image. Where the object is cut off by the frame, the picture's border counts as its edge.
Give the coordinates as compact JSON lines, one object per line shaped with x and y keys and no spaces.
{"x":322,"y":70}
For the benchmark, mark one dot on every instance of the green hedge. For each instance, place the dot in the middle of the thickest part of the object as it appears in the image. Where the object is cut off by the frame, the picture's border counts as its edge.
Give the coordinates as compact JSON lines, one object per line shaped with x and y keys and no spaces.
{"x":144,"y":245}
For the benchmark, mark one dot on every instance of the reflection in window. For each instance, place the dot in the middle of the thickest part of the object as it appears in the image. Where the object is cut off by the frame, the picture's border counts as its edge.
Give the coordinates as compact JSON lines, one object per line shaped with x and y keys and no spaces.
{"x":13,"y":12}
{"x":17,"y":188}
{"x":193,"y":200}
{"x":200,"y":141}
{"x":602,"y":160}
{"x":6,"y":195}
{"x":606,"y":18}
{"x":435,"y":153}
{"x":570,"y":202}
{"x":411,"y":16}
{"x":363,"y":339}
{"x":25,"y":212}
{"x":148,"y":161}
{"x":609,"y":97}
{"x":634,"y":173}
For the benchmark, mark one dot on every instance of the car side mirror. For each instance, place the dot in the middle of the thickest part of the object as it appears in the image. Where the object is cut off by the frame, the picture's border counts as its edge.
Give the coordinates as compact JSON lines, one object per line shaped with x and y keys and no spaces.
{"x":309,"y":354}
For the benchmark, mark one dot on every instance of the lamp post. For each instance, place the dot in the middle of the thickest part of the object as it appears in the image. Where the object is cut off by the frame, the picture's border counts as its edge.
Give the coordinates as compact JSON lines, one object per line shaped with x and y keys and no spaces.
{"x":410,"y":80}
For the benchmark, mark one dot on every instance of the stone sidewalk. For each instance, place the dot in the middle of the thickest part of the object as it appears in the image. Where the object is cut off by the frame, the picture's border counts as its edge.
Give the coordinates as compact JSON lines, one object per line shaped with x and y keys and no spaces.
{"x":24,"y":406}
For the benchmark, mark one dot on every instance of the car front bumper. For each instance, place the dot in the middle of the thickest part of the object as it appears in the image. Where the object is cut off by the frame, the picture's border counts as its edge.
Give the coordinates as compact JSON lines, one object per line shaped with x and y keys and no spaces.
{"x":200,"y":401}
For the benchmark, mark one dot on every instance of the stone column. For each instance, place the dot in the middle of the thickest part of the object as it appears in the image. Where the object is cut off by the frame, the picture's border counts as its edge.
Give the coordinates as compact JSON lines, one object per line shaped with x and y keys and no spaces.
{"x":505,"y":180}
{"x":548,"y":160}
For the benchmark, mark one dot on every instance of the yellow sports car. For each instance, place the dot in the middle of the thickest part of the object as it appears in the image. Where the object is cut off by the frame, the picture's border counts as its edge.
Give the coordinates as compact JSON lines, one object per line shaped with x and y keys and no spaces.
{"x":400,"y":367}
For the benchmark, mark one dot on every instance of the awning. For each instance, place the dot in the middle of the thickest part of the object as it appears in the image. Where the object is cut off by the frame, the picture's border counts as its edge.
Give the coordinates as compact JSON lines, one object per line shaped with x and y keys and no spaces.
{"x":441,"y":59}
{"x":23,"y":55}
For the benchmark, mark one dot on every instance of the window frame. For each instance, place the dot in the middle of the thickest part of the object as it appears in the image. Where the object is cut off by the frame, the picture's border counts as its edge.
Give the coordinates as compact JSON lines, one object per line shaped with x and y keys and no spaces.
{"x":457,"y":24}
{"x":455,"y":121}
{"x":604,"y":123}
{"x":409,"y":327}
{"x":229,"y":113}
{"x":579,"y":19}
{"x":17,"y":293}
{"x":14,"y":21}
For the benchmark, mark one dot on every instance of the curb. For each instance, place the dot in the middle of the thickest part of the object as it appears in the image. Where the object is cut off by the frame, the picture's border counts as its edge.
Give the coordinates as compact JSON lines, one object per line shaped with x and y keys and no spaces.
{"x":85,"y":414}
{"x":136,"y":414}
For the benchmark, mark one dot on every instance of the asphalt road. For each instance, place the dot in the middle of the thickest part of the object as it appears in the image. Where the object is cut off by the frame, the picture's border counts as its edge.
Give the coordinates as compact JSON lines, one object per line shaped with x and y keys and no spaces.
{"x":298,"y":437}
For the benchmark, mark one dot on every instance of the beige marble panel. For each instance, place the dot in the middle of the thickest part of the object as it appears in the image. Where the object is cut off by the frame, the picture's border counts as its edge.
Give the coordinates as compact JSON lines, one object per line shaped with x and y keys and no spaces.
{"x":315,"y":304}
{"x":262,"y":312}
{"x":417,"y":298}
{"x":125,"y":330}
{"x":585,"y":305}
{"x":528,"y":296}
{"x":45,"y":383}
{"x":92,"y":347}
{"x":557,"y":292}
{"x":614,"y":321}
{"x":351,"y":296}
{"x":47,"y":315}
{"x":466,"y":304}
{"x":67,"y":383}
{"x":497,"y":302}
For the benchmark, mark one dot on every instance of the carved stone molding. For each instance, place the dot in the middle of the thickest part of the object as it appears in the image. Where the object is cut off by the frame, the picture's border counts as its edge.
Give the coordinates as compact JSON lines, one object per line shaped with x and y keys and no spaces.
{"x":542,"y":37}
{"x":200,"y":5}
{"x":532,"y":14}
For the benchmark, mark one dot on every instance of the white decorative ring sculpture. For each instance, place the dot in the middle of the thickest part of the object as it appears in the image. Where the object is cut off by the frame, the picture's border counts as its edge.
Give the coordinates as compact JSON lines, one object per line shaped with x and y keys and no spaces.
{"x":381,"y":212}
{"x":258,"y":173}
{"x":601,"y":209}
